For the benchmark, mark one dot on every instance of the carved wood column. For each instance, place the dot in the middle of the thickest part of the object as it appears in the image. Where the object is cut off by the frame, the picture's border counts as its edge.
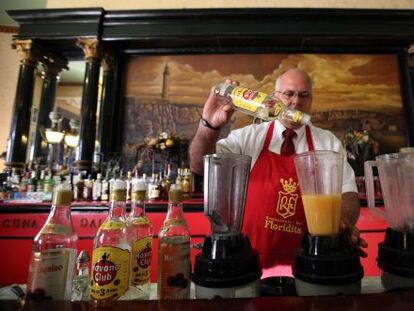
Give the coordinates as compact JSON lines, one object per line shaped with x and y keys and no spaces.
{"x":87,"y":133}
{"x":20,"y":124}
{"x":107,"y":109}
{"x":52,"y":67}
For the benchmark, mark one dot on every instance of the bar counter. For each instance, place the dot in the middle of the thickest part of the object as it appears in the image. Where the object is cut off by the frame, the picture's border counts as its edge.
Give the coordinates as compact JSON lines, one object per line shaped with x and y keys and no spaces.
{"x":397,"y":300}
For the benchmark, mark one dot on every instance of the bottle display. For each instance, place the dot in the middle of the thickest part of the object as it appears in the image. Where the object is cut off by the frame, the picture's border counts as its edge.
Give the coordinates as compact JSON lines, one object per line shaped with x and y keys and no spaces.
{"x":141,"y":235}
{"x":81,"y":284}
{"x":258,"y":104}
{"x":54,"y":252}
{"x":111,"y":255}
{"x":174,"y":266}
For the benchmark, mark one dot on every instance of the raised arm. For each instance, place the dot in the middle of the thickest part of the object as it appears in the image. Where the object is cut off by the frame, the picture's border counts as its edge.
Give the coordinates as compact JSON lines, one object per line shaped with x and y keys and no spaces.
{"x":216,"y":114}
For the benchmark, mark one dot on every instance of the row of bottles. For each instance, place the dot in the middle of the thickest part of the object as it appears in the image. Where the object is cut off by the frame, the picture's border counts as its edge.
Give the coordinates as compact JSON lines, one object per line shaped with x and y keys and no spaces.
{"x":122,"y":251}
{"x":23,"y":187}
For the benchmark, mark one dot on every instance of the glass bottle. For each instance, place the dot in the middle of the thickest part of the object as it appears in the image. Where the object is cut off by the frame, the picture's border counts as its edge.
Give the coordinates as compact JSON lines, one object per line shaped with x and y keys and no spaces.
{"x":258,"y":104}
{"x":32,"y":184}
{"x":78,"y":188}
{"x":97,"y":188}
{"x":81,"y":284}
{"x":174,"y":266}
{"x":141,"y":235}
{"x":105,"y":187}
{"x":54,"y":252}
{"x":111,"y":255}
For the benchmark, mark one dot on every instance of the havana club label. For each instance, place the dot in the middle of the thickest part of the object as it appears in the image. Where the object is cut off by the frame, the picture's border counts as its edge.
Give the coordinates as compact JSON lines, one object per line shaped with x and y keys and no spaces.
{"x":50,"y":274}
{"x":247,"y":99}
{"x":110,"y":272}
{"x":141,"y":261}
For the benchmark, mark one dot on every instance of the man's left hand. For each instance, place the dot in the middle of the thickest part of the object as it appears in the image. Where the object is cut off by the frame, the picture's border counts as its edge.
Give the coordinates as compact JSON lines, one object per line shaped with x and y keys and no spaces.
{"x":355,"y":238}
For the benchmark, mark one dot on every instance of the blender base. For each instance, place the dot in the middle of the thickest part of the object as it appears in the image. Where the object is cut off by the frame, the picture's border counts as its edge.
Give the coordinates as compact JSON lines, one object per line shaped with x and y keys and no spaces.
{"x":248,"y":290}
{"x":391,"y":281}
{"x":312,"y":289}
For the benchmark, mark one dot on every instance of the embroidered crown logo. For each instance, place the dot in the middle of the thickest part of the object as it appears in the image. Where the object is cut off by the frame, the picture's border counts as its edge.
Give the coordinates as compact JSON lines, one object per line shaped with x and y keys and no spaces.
{"x":288,"y":185}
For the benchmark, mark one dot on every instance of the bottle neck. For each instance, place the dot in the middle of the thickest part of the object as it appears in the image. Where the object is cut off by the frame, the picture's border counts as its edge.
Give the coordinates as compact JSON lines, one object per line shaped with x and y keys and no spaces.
{"x":60,"y":214}
{"x":137,"y":208}
{"x":117,"y":210}
{"x":175,"y":210}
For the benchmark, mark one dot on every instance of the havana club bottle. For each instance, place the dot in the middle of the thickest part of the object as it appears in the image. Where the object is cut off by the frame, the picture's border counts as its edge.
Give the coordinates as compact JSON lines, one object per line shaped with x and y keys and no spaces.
{"x":54,"y":252}
{"x":112,"y":251}
{"x":141,"y":234}
{"x":174,"y":266}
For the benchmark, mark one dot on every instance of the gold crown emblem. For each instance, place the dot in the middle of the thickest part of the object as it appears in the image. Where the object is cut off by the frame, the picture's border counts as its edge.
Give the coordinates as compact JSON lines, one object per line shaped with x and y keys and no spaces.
{"x":289,"y":185}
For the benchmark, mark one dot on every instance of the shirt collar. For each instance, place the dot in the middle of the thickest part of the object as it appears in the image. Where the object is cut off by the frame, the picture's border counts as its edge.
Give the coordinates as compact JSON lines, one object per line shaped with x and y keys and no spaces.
{"x":279,"y":128}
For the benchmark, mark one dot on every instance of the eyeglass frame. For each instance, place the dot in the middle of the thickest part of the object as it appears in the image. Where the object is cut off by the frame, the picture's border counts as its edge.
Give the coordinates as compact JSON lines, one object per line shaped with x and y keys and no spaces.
{"x":299,"y":94}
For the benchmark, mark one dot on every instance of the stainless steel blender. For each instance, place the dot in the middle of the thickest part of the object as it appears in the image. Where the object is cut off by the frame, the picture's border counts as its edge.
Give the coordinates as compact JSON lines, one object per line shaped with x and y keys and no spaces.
{"x":227,"y":267}
{"x":327,"y":263}
{"x":396,"y":252}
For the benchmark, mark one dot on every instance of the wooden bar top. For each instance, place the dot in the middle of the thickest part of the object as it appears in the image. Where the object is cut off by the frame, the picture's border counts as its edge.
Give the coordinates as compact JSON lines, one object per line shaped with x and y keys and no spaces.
{"x":396,"y":300}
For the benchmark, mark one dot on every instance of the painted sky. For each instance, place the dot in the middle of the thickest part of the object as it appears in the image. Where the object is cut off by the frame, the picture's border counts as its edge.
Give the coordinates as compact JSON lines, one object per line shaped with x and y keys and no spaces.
{"x":340,"y":81}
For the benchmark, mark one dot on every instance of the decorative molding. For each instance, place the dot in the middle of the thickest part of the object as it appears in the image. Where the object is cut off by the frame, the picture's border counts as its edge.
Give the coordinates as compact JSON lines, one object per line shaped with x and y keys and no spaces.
{"x":92,"y":48}
{"x":9,"y":29}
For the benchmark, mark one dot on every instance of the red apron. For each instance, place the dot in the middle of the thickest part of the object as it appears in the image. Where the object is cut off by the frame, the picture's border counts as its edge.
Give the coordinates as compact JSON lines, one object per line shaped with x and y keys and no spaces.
{"x":274,"y":217}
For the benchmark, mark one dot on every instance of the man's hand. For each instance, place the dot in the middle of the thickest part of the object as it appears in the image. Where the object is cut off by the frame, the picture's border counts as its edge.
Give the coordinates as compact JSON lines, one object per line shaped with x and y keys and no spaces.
{"x":217,"y":111}
{"x":354,"y":237}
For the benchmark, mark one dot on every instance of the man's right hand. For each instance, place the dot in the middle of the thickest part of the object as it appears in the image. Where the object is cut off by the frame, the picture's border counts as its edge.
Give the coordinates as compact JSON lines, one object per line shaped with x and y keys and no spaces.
{"x":217,"y":111}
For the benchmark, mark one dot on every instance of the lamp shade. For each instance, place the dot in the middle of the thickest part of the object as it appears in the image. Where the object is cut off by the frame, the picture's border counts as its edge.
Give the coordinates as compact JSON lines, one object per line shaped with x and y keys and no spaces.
{"x":53,"y":137}
{"x":71,"y":140}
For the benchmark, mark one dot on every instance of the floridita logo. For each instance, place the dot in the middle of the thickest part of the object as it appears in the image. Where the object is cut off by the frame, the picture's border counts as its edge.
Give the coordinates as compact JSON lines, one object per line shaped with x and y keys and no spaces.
{"x":104,"y":271}
{"x":144,"y":257}
{"x":286,"y":203}
{"x":249,"y":94}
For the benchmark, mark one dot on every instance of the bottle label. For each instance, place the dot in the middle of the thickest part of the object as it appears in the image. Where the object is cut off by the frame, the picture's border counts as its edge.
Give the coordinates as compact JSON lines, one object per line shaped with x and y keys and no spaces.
{"x":141,"y":261}
{"x":110,"y":272}
{"x":112,"y":224}
{"x":174,"y":270}
{"x":50,"y":274}
{"x":247,"y":99}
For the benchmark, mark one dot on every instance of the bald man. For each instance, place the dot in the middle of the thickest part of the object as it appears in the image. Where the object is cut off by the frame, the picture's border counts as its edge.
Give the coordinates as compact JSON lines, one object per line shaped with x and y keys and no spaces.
{"x":273,"y":230}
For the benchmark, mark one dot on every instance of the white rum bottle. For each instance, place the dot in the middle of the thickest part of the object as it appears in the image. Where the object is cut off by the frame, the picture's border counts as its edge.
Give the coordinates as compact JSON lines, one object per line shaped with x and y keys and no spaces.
{"x":141,"y":236}
{"x":174,"y":266}
{"x":258,"y":104}
{"x":54,"y":252}
{"x":111,"y":255}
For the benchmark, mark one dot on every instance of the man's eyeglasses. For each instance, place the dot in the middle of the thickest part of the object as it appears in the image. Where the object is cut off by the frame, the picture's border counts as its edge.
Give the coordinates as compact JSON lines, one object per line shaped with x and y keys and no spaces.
{"x":289,"y":94}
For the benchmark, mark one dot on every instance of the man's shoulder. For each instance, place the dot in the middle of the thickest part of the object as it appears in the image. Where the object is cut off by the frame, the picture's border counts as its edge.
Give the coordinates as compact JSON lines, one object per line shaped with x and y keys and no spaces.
{"x":251,"y":129}
{"x":320,"y":132}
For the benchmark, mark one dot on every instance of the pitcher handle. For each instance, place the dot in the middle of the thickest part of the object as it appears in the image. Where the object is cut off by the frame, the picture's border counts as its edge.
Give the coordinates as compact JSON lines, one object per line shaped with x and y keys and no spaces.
{"x":369,"y":187}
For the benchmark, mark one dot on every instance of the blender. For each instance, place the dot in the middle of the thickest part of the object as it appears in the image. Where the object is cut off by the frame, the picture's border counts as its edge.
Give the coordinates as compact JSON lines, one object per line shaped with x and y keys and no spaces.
{"x":327,"y":264}
{"x":227,"y":266}
{"x":396,"y":252}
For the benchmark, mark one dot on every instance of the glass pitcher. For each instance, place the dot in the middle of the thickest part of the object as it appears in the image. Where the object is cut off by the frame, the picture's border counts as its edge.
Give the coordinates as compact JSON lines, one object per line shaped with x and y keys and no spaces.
{"x":320,"y":181}
{"x":225,"y":184}
{"x":396,"y":174}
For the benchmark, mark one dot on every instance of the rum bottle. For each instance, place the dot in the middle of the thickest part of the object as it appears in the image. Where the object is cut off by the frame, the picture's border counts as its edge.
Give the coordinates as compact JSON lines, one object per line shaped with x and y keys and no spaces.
{"x":141,"y":235}
{"x":258,"y":104}
{"x":112,"y":251}
{"x":81,"y":284}
{"x":54,"y":252}
{"x":174,"y":266}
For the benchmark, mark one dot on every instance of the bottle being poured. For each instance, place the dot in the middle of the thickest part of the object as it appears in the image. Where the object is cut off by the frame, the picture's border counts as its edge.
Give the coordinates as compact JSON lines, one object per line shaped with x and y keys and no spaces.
{"x":258,"y":104}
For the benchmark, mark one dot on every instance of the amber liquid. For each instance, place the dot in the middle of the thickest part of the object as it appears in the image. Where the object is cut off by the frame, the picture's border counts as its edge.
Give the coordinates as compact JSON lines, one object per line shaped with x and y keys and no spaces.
{"x":322,"y":213}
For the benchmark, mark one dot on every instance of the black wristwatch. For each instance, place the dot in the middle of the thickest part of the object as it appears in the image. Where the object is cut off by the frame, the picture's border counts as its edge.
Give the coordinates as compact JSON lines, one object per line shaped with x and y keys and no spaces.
{"x":205,"y":123}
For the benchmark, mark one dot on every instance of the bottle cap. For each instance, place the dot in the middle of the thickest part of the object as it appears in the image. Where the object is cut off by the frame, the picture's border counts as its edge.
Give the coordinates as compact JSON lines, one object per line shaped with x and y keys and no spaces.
{"x":62,"y":194}
{"x":138,"y":185}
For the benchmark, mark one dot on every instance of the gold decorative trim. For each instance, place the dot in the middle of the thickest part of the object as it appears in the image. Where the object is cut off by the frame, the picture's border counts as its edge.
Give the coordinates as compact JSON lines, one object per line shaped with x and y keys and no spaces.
{"x":9,"y":29}
{"x":92,"y":48}
{"x":108,"y":62}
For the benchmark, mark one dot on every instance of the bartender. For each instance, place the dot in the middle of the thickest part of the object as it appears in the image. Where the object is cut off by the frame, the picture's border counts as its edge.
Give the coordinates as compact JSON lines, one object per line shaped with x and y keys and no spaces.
{"x":274,"y":219}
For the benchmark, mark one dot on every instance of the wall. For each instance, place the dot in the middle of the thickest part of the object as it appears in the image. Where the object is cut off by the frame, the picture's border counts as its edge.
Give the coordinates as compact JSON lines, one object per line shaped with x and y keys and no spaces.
{"x":9,"y":60}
